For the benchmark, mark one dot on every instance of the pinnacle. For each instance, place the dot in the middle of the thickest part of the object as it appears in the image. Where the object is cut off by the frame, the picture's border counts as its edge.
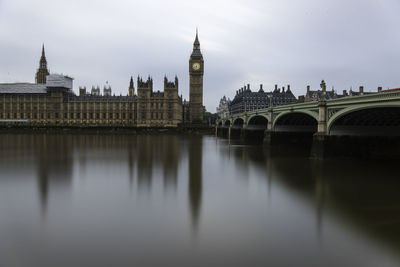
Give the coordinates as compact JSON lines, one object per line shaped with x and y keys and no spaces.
{"x":196,"y":41}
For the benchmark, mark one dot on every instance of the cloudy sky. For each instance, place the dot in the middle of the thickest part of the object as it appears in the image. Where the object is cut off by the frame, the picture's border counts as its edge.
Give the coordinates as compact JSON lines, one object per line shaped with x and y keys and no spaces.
{"x":298,"y":42}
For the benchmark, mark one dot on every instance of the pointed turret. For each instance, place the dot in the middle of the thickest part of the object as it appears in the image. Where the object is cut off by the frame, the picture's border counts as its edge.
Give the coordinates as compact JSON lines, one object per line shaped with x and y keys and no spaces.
{"x":131,"y":87}
{"x":196,"y":54}
{"x":196,"y":44}
{"x":42,"y":71}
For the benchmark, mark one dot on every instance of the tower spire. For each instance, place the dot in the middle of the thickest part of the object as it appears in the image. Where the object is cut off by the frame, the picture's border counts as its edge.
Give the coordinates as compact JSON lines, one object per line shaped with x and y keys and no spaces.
{"x":196,"y":44}
{"x":42,"y":71}
{"x":131,"y":87}
{"x":131,"y":83}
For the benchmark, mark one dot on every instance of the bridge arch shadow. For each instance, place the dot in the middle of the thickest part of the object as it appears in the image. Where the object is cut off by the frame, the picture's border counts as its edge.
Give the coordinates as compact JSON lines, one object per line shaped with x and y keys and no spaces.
{"x":238,"y":123}
{"x":257,"y":122}
{"x":296,"y":122}
{"x":227,"y":123}
{"x":369,"y":121}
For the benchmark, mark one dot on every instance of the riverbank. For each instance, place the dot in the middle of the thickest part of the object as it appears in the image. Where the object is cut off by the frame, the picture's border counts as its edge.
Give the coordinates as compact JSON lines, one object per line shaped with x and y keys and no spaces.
{"x":185,"y":129}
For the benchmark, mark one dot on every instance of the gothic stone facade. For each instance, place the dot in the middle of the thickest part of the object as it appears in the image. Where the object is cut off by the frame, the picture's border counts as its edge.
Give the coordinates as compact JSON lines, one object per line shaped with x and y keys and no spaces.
{"x":55,"y":104}
{"x":50,"y":101}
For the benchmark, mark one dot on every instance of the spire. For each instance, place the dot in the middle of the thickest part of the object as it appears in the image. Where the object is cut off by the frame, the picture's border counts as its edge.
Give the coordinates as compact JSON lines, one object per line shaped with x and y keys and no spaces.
{"x":196,"y":44}
{"x":131,"y":83}
{"x":196,"y":54}
{"x":43,"y":61}
{"x":42,"y":71}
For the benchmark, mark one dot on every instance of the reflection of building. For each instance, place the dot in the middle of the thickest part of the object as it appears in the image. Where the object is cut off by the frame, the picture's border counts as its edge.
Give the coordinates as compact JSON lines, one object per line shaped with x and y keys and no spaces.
{"x":153,"y":152}
{"x":223,"y":108}
{"x":246,"y":100}
{"x":49,"y":156}
{"x":195,"y":176}
{"x":51,"y":101}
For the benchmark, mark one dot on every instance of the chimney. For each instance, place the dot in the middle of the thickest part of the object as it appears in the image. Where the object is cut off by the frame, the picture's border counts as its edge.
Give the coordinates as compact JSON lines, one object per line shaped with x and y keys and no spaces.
{"x":308,"y":88}
{"x":283,"y":89}
{"x":379,"y":89}
{"x":361,"y":90}
{"x":288,"y":87}
{"x":261,"y":86}
{"x":248,"y":86}
{"x":276,"y":87}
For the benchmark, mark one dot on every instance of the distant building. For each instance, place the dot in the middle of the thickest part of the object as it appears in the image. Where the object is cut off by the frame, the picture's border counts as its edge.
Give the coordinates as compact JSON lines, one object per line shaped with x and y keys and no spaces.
{"x":246,"y":100}
{"x":316,"y":95}
{"x":223,"y":108}
{"x":50,"y":101}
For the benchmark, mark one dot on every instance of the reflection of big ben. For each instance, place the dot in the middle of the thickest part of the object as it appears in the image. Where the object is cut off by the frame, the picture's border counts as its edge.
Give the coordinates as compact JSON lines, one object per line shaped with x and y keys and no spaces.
{"x":195,"y":177}
{"x":196,"y":70}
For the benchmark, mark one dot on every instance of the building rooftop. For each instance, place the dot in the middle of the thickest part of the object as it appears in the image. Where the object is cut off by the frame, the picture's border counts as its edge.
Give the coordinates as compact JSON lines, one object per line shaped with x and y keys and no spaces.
{"x":22,"y":88}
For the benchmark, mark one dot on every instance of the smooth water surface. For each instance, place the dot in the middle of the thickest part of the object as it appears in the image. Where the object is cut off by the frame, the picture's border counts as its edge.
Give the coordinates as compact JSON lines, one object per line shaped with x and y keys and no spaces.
{"x":87,"y":199}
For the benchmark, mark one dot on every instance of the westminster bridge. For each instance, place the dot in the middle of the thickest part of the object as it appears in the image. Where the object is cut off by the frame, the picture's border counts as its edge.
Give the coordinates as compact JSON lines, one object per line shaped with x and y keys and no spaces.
{"x":348,"y":123}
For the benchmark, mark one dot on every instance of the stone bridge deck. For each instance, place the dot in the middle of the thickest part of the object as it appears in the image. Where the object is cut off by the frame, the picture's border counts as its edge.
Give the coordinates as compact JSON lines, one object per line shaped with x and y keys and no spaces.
{"x":373,"y":114}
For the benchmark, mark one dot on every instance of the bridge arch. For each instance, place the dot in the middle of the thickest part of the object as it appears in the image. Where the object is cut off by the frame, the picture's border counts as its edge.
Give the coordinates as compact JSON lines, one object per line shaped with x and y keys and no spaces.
{"x":257,"y":121}
{"x":220,"y":123}
{"x":227,"y":123}
{"x":238,"y":123}
{"x":296,"y":121}
{"x":378,"y":119}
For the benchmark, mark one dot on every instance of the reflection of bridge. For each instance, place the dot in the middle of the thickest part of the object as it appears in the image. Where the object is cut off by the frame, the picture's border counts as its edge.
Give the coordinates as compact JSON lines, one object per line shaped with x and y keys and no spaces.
{"x":366,"y":115}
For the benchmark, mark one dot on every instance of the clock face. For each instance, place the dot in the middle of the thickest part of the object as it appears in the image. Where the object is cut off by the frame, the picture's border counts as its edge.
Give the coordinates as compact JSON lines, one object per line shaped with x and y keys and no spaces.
{"x":196,"y":66}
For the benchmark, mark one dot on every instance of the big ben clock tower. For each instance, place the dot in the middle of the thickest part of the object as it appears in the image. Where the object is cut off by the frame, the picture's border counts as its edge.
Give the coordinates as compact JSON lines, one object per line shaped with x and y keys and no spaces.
{"x":196,"y":70}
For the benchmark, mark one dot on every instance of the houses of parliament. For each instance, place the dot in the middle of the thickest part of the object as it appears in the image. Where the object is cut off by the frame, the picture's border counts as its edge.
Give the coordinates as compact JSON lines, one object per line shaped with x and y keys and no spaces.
{"x":50,"y":101}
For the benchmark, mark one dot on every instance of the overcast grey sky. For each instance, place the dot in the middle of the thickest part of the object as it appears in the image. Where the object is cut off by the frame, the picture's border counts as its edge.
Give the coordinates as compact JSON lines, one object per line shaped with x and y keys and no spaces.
{"x":299,"y":42}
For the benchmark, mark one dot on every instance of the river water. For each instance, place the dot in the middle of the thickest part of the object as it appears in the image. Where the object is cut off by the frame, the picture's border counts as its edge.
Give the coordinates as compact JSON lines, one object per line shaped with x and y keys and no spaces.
{"x":87,"y":199}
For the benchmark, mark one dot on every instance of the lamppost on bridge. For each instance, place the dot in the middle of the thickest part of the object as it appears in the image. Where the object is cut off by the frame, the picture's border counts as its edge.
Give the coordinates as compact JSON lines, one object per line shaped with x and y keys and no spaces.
{"x":323,"y":87}
{"x":322,"y":111}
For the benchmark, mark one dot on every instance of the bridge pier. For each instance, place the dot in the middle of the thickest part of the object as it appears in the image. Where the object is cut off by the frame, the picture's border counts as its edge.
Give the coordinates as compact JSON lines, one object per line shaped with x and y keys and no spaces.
{"x":319,"y":145}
